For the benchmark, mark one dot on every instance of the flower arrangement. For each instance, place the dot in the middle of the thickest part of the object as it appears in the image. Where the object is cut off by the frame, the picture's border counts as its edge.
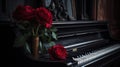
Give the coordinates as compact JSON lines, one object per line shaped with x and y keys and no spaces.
{"x":36,"y":23}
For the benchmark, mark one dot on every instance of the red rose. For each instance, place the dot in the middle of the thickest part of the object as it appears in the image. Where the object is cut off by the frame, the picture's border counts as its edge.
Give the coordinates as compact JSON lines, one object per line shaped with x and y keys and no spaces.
{"x":44,"y":17}
{"x":23,"y":13}
{"x":57,"y":52}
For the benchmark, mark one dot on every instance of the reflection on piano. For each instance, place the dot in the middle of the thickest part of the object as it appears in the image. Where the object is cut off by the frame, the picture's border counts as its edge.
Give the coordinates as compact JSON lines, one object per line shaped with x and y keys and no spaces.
{"x":88,"y":43}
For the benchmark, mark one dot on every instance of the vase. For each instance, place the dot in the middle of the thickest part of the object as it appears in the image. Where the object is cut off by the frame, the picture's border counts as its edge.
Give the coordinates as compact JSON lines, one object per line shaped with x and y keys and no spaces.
{"x":35,"y":45}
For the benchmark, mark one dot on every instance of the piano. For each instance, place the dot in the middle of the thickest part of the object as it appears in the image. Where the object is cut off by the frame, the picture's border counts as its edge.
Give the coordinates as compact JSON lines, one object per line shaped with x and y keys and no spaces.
{"x":88,"y":43}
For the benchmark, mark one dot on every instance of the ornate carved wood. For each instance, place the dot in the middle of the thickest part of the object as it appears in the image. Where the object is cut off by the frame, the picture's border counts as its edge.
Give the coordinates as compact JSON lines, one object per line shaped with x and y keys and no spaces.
{"x":58,"y":10}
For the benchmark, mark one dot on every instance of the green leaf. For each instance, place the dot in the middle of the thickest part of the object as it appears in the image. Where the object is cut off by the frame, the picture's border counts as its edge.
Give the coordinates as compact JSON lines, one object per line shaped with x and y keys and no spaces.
{"x":45,"y":29}
{"x":52,"y":43}
{"x":46,"y":34}
{"x":53,"y":29}
{"x":27,"y":34}
{"x":27,"y":47}
{"x":22,"y":27}
{"x":54,"y":35}
{"x":26,"y":22}
{"x":40,"y":45}
{"x":19,"y":41}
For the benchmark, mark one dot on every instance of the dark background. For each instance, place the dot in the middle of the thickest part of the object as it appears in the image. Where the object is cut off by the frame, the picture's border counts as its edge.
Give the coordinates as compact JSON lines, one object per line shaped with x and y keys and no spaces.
{"x":110,"y":11}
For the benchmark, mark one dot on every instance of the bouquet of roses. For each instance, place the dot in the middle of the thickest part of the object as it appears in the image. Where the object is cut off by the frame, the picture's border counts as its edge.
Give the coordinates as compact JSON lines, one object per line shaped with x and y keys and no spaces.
{"x":33,"y":22}
{"x":37,"y":23}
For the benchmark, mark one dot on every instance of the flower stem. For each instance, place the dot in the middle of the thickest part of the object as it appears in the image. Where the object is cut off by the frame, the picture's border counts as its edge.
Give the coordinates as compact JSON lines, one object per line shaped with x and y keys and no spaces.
{"x":37,"y":29}
{"x":33,"y":31}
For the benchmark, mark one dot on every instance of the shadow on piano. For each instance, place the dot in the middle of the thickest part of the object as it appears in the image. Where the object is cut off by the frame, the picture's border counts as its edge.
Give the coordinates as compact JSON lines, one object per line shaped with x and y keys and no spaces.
{"x":88,"y":43}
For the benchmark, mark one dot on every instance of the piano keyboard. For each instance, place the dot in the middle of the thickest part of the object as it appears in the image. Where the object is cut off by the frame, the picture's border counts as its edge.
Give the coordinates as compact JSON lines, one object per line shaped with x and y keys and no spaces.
{"x":88,"y":58}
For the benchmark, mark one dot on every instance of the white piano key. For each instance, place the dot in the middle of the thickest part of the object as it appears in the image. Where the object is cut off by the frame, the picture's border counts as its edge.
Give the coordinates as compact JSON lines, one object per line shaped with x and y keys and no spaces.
{"x":96,"y":54}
